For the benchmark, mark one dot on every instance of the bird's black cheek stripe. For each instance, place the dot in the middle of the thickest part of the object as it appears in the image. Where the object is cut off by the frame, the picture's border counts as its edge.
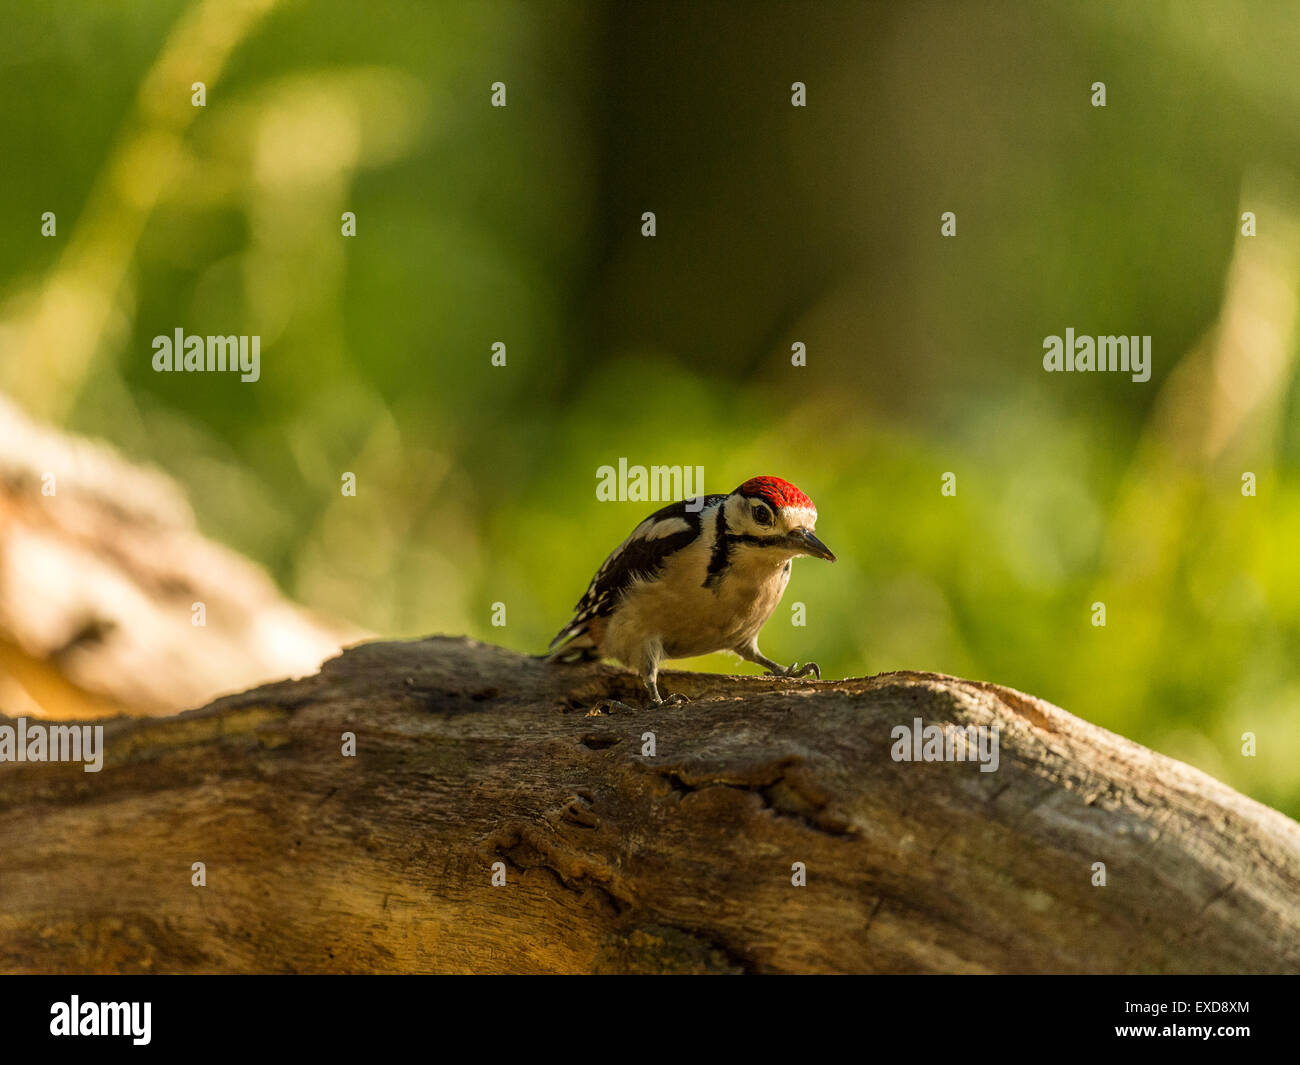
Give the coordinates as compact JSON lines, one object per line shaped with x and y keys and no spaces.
{"x":723,"y":544}
{"x":750,"y":538}
{"x":720,"y":558}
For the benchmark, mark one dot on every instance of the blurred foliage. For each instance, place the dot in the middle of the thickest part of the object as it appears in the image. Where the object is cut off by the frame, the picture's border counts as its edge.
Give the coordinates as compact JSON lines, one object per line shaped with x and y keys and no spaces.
{"x":775,"y":224}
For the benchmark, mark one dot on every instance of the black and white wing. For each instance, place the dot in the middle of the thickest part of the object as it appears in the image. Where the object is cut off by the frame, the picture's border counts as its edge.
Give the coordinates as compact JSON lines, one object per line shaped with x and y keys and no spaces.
{"x":640,"y":557}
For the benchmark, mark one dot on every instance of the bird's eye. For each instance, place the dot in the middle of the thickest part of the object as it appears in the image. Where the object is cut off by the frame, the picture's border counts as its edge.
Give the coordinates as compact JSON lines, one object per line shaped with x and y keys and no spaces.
{"x":762,"y":515}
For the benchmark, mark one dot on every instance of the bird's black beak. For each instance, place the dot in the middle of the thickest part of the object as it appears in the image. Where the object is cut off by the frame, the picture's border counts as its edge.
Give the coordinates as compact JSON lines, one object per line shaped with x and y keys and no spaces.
{"x":807,"y":544}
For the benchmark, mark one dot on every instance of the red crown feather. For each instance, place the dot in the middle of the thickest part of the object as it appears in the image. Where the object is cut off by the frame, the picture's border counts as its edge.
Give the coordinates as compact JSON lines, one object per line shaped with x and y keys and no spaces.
{"x":776,"y":491}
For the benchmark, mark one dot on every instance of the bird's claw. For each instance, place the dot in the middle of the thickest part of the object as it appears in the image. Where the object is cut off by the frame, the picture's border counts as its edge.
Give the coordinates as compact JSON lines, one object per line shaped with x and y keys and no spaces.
{"x":607,"y":706}
{"x":795,"y":671}
{"x":653,"y":698}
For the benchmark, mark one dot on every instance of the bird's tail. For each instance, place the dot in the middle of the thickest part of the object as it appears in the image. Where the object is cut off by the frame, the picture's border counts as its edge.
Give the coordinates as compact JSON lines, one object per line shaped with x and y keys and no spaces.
{"x":571,"y":646}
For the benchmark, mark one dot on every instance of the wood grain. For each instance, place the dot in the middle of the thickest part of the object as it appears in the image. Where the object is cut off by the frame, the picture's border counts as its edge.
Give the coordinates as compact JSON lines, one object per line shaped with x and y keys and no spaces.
{"x":469,"y":754}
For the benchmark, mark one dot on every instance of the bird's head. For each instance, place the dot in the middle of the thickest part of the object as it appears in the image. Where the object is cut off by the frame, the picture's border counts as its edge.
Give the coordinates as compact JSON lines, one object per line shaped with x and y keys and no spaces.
{"x":768,"y":512}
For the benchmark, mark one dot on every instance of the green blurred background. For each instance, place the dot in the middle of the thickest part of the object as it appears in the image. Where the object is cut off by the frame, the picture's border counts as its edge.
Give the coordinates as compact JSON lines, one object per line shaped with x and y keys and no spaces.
{"x":775,"y":224}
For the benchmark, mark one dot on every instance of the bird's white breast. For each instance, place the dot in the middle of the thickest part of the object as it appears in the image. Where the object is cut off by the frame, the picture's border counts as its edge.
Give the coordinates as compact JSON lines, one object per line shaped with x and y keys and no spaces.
{"x":689,"y":618}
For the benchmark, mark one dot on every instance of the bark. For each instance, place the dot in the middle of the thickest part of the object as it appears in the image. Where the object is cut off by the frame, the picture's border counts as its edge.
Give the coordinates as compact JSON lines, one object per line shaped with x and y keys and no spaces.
{"x":616,"y":861}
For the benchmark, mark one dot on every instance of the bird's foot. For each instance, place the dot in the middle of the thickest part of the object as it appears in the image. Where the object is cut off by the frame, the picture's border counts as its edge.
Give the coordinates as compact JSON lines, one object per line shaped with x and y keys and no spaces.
{"x":653,"y":698}
{"x":676,"y":699}
{"x":794,"y":671}
{"x":607,"y":706}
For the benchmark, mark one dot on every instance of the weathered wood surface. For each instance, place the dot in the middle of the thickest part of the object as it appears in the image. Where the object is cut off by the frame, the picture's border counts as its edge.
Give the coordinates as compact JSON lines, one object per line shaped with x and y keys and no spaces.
{"x":470,"y":754}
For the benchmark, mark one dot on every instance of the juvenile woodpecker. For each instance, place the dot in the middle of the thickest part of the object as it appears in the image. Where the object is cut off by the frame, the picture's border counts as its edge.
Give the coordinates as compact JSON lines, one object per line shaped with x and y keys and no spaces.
{"x":696,"y":577}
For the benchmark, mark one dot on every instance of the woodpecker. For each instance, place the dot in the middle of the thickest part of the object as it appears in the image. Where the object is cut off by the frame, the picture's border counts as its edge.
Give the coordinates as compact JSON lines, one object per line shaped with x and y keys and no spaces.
{"x":698,"y":576}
